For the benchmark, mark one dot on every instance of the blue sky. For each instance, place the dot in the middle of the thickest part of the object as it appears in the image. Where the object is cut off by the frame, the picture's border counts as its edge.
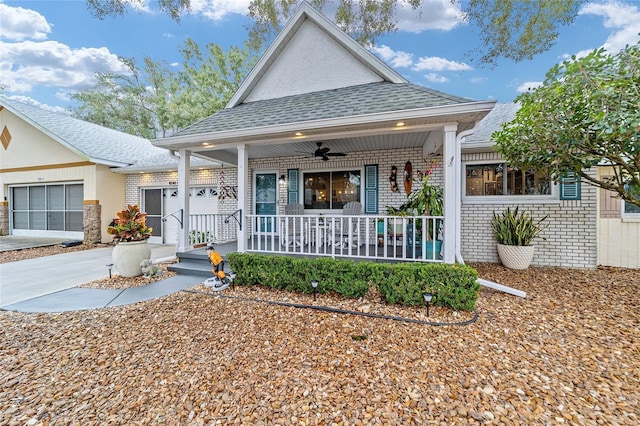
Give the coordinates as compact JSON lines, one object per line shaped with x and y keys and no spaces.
{"x":51,"y":48}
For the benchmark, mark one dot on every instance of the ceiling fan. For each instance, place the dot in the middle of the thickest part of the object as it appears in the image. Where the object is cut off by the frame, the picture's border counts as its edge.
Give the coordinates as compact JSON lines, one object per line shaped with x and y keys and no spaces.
{"x":324,"y":154}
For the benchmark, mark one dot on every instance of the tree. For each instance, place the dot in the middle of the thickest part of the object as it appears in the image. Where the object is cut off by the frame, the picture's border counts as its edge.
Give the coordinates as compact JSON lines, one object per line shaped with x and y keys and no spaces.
{"x":585,"y":114}
{"x":155,"y":100}
{"x":513,"y":29}
{"x":119,"y":101}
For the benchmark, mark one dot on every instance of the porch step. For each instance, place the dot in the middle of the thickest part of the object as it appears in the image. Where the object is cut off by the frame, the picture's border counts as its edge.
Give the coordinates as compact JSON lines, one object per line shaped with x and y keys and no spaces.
{"x":194,"y":263}
{"x":192,"y":267}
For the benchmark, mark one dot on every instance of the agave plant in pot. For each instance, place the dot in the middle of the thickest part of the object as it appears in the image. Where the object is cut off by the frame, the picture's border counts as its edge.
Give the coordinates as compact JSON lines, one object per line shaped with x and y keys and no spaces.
{"x":131,"y":234}
{"x":515,"y":232}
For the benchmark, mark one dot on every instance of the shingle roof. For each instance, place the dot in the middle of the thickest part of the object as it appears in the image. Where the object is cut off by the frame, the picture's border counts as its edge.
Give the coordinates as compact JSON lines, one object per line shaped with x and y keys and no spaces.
{"x":501,"y":113}
{"x":99,"y":144}
{"x":337,"y":103}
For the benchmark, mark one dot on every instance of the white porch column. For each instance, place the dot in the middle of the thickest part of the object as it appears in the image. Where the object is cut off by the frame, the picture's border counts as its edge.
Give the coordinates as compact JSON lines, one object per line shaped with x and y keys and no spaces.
{"x":451,"y":170}
{"x":184,"y":171}
{"x":243,"y":190}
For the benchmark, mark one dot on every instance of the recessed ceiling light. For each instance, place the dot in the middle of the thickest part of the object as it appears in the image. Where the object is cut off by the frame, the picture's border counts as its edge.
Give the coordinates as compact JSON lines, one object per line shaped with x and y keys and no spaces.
{"x":298,"y":133}
{"x":205,"y":144}
{"x":400,"y":124}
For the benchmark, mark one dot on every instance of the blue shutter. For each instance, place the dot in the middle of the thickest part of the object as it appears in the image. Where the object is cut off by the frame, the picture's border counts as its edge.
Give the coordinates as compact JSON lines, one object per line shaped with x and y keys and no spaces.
{"x":371,"y":189}
{"x":570,"y":186}
{"x":293,"y":196}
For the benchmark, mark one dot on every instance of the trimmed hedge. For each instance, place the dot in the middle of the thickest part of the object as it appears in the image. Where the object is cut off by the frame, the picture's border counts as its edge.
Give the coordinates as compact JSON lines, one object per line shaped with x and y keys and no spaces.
{"x":454,"y":286}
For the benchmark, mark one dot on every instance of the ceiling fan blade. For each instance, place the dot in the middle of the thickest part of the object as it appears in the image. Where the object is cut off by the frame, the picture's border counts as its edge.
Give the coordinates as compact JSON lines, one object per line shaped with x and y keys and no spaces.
{"x":337,"y":154}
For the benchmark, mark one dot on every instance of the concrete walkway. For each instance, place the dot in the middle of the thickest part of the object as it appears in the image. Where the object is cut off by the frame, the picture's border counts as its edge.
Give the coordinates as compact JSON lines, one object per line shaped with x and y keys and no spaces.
{"x":48,"y":284}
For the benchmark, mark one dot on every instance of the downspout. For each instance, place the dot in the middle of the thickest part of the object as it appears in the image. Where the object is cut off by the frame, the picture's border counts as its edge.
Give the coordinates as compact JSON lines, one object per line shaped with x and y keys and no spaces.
{"x":458,"y":224}
{"x":172,"y":154}
{"x":458,"y":215}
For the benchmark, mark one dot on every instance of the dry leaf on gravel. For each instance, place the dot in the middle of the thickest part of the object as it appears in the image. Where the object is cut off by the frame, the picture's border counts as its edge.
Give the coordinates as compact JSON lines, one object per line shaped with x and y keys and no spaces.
{"x":567,"y":354}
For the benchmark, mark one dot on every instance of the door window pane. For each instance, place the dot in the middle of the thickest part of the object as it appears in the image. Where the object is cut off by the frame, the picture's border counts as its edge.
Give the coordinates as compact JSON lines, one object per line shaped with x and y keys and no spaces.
{"x":20,"y":198}
{"x":20,"y":220}
{"x":73,"y":221}
{"x":55,"y":197}
{"x":55,"y":221}
{"x":37,"y":220}
{"x":36,"y":198}
{"x":75,"y":196}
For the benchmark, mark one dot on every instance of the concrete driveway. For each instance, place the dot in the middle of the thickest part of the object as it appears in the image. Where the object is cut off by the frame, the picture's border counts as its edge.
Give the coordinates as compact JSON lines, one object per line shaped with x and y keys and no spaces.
{"x":31,"y":278}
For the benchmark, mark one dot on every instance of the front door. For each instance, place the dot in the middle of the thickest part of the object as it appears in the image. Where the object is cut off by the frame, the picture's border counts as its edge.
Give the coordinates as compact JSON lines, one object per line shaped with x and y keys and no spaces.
{"x":152,"y":206}
{"x":266,"y":199}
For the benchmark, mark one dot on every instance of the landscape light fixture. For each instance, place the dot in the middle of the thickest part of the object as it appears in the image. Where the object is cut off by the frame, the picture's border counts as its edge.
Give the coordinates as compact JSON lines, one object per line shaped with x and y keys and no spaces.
{"x":314,"y":284}
{"x":109,"y":265}
{"x":427,"y":300}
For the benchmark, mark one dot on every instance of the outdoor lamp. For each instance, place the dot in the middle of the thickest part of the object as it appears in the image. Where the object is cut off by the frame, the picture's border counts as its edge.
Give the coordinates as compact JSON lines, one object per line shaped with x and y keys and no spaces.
{"x":282,"y":179}
{"x":109,"y":265}
{"x":427,"y":300}
{"x":314,"y":284}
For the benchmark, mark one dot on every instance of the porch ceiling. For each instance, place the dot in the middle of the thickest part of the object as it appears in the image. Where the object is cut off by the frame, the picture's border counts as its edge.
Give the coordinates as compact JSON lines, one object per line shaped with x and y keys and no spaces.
{"x":307,"y":147}
{"x":350,"y":138}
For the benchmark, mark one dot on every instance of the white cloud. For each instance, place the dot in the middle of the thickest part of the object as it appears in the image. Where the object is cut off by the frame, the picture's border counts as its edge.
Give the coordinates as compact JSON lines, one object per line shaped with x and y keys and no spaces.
{"x":529,"y":85}
{"x":431,"y":15}
{"x":477,"y":80}
{"x":435,"y":63}
{"x":30,"y":101}
{"x":435,"y":78}
{"x":20,"y":24}
{"x":623,"y":18}
{"x":27,"y":64}
{"x":217,"y":10}
{"x":397,"y":59}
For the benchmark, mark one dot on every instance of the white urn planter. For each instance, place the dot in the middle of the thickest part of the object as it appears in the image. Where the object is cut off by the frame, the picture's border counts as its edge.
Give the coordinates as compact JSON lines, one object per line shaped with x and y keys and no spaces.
{"x":128,"y":255}
{"x":516,"y":257}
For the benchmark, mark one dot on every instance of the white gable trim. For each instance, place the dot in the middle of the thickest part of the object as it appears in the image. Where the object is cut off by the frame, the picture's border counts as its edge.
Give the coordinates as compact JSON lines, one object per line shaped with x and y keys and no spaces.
{"x":306,"y":11}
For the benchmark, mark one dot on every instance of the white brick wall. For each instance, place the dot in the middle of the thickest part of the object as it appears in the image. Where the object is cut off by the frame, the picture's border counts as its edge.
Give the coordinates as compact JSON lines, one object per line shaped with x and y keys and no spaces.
{"x":209,"y":177}
{"x":570,"y":236}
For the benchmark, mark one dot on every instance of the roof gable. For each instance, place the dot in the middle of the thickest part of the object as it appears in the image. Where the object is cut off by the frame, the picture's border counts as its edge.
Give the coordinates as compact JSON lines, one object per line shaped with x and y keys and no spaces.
{"x":311,"y":54}
{"x":90,"y":141}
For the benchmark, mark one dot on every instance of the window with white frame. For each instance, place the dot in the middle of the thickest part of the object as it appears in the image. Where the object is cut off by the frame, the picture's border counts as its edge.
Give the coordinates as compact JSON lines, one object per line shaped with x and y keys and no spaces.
{"x":502,"y":179}
{"x":331,"y":190}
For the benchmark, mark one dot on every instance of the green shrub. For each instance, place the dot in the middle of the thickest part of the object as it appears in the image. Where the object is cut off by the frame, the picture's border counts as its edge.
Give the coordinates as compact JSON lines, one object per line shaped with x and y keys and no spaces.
{"x":454,"y":286}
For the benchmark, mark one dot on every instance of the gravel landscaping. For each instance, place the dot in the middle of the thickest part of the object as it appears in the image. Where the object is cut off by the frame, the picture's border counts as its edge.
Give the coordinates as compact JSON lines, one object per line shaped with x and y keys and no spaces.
{"x":567,"y":354}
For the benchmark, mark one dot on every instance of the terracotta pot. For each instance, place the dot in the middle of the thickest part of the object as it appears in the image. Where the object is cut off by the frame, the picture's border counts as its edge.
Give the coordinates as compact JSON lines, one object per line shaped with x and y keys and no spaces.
{"x":516,"y":257}
{"x":127,"y":257}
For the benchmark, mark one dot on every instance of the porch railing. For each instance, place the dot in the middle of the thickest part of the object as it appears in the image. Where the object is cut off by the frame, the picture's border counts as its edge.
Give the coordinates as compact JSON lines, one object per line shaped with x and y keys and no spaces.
{"x":414,"y":238}
{"x":211,"y":228}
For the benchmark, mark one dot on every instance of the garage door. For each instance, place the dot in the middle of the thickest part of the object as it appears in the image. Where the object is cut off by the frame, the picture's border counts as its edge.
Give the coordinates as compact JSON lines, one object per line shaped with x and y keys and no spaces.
{"x":203,"y":200}
{"x":52,"y":210}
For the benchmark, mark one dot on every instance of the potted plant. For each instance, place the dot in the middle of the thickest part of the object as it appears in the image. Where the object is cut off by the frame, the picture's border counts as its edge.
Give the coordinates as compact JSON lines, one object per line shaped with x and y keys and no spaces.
{"x":131,"y":234}
{"x":514,"y":232}
{"x":428,"y":200}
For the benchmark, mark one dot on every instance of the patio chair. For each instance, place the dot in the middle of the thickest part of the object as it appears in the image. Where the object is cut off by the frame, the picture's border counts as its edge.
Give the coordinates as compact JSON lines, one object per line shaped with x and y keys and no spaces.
{"x":291,"y":230}
{"x":348,"y":234}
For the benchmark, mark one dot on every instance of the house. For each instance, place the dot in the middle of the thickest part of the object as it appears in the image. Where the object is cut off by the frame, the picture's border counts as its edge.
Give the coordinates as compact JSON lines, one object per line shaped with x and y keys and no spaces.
{"x":66,"y":178}
{"x":586,"y":226}
{"x":321,"y":121}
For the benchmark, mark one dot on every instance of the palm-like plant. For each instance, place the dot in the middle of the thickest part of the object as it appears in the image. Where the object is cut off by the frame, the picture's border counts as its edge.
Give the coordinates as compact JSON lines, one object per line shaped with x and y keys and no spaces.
{"x":514,"y":228}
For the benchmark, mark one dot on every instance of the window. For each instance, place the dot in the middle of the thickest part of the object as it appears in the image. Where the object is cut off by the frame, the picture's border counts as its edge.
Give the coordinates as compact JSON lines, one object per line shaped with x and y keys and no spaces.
{"x":503,"y":179}
{"x":331,"y":190}
{"x":631,"y":209}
